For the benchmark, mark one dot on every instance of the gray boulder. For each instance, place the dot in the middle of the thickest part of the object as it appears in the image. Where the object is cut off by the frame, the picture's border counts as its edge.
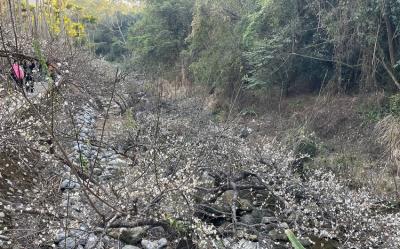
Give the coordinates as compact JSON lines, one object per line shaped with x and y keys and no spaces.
{"x":162,"y":243}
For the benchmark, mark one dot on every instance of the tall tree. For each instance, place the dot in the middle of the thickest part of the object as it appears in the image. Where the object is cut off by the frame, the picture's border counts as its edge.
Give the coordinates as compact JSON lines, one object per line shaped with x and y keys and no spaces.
{"x":158,"y":38}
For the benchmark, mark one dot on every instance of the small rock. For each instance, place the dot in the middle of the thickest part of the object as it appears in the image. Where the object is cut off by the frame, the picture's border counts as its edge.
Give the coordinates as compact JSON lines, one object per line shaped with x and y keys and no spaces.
{"x":245,"y":132}
{"x":283,"y":225}
{"x":85,"y":130}
{"x":130,"y":247}
{"x":109,"y":242}
{"x":162,"y":243}
{"x":106,"y":176}
{"x":97,"y":171}
{"x":245,"y":244}
{"x":118,"y":162}
{"x":2,"y":215}
{"x":69,"y":243}
{"x":59,"y":237}
{"x":253,"y":238}
{"x":80,"y":235}
{"x":91,"y":242}
{"x":69,"y":184}
{"x":147,"y":244}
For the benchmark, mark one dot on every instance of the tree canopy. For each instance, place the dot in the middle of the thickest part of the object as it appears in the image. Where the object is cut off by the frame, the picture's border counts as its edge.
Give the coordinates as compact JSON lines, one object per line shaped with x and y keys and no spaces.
{"x":293,"y":45}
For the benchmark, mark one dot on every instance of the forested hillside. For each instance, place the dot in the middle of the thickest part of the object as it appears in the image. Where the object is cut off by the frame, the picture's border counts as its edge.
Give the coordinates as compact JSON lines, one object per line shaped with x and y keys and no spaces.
{"x":295,"y":45}
{"x":238,"y":124}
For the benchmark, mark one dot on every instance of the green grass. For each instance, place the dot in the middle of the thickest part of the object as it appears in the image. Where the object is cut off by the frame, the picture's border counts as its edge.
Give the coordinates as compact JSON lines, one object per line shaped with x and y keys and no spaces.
{"x":293,"y":239}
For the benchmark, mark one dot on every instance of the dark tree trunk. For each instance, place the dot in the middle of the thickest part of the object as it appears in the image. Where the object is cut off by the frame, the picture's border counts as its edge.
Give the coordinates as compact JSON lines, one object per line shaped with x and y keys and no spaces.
{"x":389,"y":30}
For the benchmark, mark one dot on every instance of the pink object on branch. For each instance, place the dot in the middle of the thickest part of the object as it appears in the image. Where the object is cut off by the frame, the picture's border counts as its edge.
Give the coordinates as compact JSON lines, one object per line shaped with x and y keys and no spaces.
{"x":18,"y":71}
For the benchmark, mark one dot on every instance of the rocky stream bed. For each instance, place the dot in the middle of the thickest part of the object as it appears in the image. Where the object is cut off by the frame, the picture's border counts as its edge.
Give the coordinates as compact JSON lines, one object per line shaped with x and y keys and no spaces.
{"x":170,"y":176}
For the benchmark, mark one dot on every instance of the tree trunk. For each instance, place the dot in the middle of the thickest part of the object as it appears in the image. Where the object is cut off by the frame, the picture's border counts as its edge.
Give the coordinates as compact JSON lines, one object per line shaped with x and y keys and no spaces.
{"x":389,"y":30}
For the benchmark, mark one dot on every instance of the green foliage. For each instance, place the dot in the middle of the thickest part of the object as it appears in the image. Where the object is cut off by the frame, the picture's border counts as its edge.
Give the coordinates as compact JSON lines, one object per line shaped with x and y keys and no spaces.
{"x":306,"y":146}
{"x":89,"y":19}
{"x":347,"y":165}
{"x":40,"y":56}
{"x":277,"y":31}
{"x":302,"y":142}
{"x":346,"y":161}
{"x":215,"y":43}
{"x":129,"y":120}
{"x":293,"y":239}
{"x":299,"y":45}
{"x":219,"y":114}
{"x":62,"y":18}
{"x":376,"y":112}
{"x":373,"y":113}
{"x":84,"y":163}
{"x":394,"y":104}
{"x":158,"y":38}
{"x":177,"y":225}
{"x":110,"y":36}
